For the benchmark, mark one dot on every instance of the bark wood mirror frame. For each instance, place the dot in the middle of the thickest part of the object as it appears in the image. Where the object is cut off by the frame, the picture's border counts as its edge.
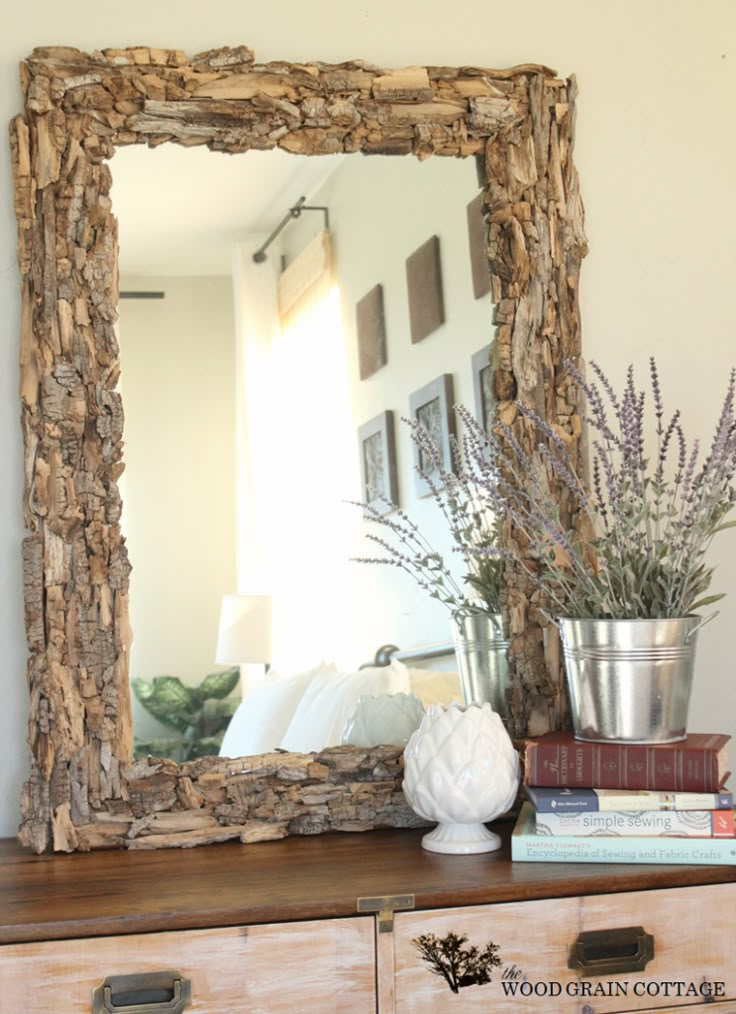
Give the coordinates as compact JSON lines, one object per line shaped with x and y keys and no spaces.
{"x":83,"y":791}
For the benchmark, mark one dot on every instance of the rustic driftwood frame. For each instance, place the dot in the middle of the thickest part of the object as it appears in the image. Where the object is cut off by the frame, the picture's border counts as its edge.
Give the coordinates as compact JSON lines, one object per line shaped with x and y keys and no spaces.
{"x":83,"y":791}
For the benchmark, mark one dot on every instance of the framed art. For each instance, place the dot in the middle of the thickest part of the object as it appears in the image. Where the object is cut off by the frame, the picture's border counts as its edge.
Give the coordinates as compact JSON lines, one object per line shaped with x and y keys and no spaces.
{"x":370,"y":324}
{"x":432,"y":407}
{"x":483,"y":393}
{"x":379,"y":477}
{"x":424,"y":287}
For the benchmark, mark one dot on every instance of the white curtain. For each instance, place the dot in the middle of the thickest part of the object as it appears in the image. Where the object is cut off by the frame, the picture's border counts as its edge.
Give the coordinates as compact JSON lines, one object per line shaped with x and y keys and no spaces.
{"x":305,"y":284}
{"x":302,"y":442}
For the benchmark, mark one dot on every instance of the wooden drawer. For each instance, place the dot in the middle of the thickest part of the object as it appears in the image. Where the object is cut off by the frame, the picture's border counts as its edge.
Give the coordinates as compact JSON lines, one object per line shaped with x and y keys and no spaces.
{"x":325,"y":967}
{"x":691,"y":928}
{"x":727,"y":1007}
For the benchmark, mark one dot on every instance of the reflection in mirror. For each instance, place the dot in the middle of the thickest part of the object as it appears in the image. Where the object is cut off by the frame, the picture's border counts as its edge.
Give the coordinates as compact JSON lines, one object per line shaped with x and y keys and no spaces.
{"x":242,"y":424}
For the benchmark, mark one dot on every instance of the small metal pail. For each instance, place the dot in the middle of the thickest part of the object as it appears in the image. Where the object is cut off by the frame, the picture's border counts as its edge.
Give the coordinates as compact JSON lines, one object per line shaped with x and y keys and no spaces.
{"x":482,"y":659}
{"x":630,"y":680}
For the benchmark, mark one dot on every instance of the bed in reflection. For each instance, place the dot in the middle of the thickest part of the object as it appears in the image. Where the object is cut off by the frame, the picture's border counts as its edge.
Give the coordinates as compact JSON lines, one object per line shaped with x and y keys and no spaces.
{"x":324,"y":706}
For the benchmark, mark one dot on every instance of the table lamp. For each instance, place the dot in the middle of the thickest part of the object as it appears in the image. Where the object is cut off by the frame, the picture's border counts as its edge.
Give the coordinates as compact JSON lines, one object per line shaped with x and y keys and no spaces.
{"x":244,"y":635}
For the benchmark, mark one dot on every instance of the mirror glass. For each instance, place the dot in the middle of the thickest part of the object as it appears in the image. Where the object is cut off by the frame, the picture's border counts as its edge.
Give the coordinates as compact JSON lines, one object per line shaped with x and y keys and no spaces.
{"x":244,"y":431}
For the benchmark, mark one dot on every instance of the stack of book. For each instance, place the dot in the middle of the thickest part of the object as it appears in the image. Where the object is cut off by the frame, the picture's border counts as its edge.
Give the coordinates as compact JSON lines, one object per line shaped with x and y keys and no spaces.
{"x":626,"y":803}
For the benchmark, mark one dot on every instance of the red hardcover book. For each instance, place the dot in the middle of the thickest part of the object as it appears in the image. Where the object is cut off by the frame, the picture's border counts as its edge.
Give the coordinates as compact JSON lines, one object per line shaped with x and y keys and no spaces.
{"x":696,"y":764}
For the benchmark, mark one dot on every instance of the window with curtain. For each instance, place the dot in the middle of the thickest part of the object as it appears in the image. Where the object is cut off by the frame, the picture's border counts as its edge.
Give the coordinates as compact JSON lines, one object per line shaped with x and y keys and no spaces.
{"x":311,"y":447}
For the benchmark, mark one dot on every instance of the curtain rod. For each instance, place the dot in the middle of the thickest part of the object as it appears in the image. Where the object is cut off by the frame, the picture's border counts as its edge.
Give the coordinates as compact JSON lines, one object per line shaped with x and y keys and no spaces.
{"x":388,"y":651}
{"x":260,"y":255}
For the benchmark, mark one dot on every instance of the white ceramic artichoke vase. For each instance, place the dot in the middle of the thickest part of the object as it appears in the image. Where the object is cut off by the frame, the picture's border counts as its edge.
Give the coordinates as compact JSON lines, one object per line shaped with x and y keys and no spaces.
{"x":387,"y":718}
{"x":460,"y":769}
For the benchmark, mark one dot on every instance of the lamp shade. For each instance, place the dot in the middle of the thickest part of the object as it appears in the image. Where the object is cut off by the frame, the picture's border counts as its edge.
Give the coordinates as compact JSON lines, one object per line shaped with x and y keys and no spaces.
{"x":245,"y":629}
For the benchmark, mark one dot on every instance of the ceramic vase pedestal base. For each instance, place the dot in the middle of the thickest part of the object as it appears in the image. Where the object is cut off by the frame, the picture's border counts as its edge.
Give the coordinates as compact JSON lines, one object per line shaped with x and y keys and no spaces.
{"x":461,"y":839}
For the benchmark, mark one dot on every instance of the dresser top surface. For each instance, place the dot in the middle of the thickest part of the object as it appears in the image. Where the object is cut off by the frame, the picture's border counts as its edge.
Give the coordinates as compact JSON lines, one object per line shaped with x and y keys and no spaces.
{"x":111,"y":892}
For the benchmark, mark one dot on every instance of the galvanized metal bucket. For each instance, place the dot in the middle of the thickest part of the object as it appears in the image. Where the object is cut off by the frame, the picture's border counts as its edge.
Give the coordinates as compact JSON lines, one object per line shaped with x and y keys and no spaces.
{"x":630,"y":680}
{"x":482,"y":657}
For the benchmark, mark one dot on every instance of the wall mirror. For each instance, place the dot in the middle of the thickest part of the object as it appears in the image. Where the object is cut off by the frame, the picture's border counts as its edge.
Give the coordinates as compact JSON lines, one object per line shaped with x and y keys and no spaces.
{"x":274,"y":414}
{"x":518,"y":124}
{"x":268,"y":425}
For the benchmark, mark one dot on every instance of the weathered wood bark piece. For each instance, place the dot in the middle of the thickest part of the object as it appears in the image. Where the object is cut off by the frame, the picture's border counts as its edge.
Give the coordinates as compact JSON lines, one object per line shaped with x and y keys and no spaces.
{"x":83,"y":791}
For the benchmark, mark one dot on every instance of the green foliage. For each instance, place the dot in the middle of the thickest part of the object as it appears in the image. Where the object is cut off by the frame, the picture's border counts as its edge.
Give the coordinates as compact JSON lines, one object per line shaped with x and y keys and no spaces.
{"x":198,"y":714}
{"x":458,"y":965}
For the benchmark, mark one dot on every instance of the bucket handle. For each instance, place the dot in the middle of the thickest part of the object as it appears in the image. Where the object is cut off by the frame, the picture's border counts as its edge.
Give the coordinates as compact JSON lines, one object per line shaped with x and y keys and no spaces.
{"x":698,"y":626}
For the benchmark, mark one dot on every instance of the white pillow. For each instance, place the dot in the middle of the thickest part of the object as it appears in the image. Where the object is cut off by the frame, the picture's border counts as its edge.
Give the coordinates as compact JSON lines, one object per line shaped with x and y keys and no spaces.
{"x":262,"y":718}
{"x":330,"y":700}
{"x":435,"y":687}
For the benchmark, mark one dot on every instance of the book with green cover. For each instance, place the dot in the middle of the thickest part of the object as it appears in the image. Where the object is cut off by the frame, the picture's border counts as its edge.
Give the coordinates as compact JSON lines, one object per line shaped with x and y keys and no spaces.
{"x":639,"y":823}
{"x":529,"y":847}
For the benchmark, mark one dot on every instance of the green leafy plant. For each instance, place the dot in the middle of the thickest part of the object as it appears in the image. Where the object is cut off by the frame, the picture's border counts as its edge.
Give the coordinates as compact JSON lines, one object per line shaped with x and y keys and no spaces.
{"x":199,"y":715}
{"x":458,"y":965}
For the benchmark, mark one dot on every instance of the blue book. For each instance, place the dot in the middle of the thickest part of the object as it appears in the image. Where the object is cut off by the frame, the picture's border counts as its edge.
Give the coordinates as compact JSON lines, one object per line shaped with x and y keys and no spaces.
{"x":565,"y":800}
{"x":529,"y":847}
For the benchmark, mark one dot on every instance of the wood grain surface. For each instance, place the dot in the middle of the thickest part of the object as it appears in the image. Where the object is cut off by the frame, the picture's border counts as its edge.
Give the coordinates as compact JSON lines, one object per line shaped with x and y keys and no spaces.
{"x":300,"y":968}
{"x":535,"y":939}
{"x":116,"y":892}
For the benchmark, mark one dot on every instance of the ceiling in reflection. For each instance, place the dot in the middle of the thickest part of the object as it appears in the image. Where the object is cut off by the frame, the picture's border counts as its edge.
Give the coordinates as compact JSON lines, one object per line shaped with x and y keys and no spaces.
{"x":227,"y":199}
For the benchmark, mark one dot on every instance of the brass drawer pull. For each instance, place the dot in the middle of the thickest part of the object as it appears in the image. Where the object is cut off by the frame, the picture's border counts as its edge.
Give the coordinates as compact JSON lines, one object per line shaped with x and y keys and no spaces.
{"x":146,"y":993}
{"x":609,"y":952}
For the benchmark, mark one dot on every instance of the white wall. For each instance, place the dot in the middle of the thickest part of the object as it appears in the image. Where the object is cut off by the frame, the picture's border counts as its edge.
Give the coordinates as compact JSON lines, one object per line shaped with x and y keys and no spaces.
{"x":656,"y":147}
{"x":178,"y":386}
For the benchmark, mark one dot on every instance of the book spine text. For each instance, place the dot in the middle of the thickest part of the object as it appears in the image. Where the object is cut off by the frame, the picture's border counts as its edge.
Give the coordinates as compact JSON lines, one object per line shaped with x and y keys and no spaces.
{"x":621,"y":766}
{"x":685,"y":823}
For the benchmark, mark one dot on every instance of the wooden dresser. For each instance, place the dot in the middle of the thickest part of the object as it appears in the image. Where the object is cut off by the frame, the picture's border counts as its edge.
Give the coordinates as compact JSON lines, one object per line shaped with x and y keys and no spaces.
{"x":358,"y":924}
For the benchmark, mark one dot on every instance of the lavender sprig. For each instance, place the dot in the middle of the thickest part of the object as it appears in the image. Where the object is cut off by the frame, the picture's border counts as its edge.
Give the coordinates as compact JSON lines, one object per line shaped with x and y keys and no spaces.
{"x":641,"y":534}
{"x":652,"y":523}
{"x":474,"y":528}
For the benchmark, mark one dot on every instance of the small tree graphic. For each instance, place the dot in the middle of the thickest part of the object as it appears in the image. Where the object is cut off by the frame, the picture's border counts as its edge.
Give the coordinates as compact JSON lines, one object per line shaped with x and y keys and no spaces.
{"x":458,"y":965}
